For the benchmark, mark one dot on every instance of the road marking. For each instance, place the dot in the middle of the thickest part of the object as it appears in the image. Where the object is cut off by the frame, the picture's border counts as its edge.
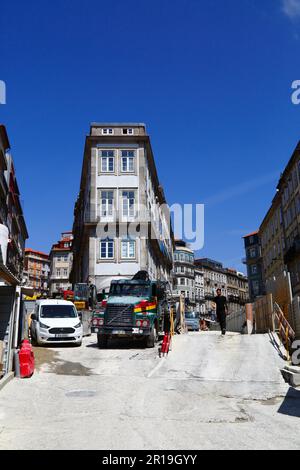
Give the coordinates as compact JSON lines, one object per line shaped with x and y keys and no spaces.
{"x":158,"y":366}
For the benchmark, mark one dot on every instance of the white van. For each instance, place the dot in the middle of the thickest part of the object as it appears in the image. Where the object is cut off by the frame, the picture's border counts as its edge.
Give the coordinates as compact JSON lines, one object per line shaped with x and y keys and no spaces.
{"x":55,"y":321}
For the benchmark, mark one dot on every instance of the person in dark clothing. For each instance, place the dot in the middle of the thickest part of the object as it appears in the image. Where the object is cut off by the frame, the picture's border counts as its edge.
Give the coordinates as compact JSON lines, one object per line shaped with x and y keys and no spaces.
{"x":221,"y":310}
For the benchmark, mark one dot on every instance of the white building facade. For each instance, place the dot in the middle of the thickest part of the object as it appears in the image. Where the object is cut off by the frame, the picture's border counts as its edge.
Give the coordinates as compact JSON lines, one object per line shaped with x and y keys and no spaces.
{"x":61,"y":257}
{"x":120,"y":225}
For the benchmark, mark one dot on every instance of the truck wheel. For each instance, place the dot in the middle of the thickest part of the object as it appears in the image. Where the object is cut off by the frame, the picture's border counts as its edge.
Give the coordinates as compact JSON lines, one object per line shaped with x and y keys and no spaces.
{"x":152,"y":338}
{"x":102,"y":341}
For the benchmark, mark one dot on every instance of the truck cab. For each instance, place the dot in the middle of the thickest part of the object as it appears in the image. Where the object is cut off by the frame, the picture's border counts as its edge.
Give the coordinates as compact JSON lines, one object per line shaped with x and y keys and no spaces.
{"x":134,"y":309}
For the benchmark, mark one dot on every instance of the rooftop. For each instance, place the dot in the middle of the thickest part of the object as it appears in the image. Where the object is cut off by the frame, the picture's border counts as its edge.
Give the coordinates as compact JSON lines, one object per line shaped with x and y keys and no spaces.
{"x":36,"y":252}
{"x":251,"y":234}
{"x":118,"y":124}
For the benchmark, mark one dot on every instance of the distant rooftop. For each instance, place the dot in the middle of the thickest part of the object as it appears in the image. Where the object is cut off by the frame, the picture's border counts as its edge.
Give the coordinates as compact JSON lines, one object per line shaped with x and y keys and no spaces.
{"x":118,"y":124}
{"x":251,"y":234}
{"x":36,"y":252}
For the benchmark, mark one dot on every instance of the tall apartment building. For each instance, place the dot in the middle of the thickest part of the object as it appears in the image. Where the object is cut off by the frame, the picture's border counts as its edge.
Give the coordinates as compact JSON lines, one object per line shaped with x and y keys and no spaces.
{"x":275,"y":249}
{"x":271,"y":234}
{"x":119,"y":188}
{"x":36,"y":270}
{"x":61,"y":259}
{"x":184,"y":273}
{"x":254,"y":262}
{"x":288,"y":190}
{"x":11,"y":213}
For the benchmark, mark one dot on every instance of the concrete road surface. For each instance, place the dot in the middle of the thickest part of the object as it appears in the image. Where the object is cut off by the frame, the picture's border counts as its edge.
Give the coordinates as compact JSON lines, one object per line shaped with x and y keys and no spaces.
{"x":210,"y":393}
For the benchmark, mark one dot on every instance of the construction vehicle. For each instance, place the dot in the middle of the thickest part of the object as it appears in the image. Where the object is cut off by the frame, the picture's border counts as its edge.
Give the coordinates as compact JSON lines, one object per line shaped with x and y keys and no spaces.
{"x":84,"y":297}
{"x":136,"y":308}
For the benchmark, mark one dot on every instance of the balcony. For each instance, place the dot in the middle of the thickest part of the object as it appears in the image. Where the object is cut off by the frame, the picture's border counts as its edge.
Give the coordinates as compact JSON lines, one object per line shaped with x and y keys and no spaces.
{"x":209,"y":297}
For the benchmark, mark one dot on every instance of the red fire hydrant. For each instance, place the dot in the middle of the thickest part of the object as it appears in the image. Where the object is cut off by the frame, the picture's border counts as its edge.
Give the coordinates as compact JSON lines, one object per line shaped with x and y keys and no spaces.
{"x":26,"y":359}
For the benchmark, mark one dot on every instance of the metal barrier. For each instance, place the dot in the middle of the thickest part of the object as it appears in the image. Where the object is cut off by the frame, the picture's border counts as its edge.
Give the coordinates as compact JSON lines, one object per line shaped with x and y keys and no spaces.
{"x":285,"y":330}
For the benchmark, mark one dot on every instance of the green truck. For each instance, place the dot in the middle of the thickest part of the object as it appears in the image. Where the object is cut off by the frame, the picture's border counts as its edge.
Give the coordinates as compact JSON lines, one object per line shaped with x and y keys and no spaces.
{"x":135,"y":308}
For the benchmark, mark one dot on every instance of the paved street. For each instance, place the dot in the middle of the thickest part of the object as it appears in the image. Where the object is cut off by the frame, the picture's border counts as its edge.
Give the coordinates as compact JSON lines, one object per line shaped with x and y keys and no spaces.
{"x":211,"y":392}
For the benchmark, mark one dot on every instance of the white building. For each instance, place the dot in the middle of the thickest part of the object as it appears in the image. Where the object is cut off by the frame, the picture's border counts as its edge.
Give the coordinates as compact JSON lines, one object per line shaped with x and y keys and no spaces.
{"x":188,"y":279}
{"x":61,"y":258}
{"x":119,"y":188}
{"x":199,"y":290}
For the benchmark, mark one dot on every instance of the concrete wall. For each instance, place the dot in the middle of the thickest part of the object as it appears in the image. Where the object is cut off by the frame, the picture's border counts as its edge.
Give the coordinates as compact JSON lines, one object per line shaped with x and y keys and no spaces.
{"x":235,"y":322}
{"x":295,"y":316}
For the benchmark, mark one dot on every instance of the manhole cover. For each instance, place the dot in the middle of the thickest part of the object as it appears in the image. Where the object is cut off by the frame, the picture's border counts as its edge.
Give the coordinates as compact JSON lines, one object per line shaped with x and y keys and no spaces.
{"x":81,"y":393}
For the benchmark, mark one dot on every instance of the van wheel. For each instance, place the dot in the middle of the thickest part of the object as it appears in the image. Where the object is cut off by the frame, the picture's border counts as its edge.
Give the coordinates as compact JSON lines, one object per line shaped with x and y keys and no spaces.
{"x":102,"y":341}
{"x":33,"y":340}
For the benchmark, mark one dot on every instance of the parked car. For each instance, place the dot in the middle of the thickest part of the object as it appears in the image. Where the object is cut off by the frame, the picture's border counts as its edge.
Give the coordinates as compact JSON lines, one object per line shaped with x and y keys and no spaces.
{"x":55,"y":321}
{"x":192,"y":321}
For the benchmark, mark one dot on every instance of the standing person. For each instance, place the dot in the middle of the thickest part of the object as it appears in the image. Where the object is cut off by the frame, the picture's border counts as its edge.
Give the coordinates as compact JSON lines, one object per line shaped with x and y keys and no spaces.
{"x":221,"y":310}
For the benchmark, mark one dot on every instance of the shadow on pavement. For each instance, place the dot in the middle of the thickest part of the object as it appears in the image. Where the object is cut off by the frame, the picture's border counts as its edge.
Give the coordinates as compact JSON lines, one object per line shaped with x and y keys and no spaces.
{"x":291,"y":403}
{"x":276,"y":346}
{"x":121,"y":344}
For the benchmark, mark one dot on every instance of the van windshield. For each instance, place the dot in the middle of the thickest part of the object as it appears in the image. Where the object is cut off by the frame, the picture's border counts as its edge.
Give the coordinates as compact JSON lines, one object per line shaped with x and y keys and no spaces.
{"x":58,"y":311}
{"x":136,"y":290}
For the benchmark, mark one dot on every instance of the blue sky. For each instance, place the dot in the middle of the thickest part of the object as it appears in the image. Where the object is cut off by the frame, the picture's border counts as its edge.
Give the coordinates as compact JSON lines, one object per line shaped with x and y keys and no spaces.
{"x":211,"y":79}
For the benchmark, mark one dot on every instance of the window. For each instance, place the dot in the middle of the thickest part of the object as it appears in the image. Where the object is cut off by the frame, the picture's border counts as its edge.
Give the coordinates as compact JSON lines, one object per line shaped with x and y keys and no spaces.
{"x":128,"y":203}
{"x":107,"y":249}
{"x":65,"y":273}
{"x":58,"y":259}
{"x":107,"y":161}
{"x":255,"y":287}
{"x":127,"y":161}
{"x":107,"y":131}
{"x":65,"y":258}
{"x":127,"y":131}
{"x":106,"y":203}
{"x":254,"y":269}
{"x":58,"y":273}
{"x":128,"y":249}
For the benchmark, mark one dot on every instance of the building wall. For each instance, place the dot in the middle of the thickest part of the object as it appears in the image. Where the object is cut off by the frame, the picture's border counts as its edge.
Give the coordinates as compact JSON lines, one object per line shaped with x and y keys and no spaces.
{"x":279,"y":233}
{"x":237,"y":290}
{"x":37,"y":269}
{"x":289,"y":194}
{"x":184,"y":274}
{"x":11,"y":212}
{"x":271,"y":233}
{"x":61,"y":257}
{"x":101,"y":252}
{"x":199,"y":290}
{"x":214,"y":278}
{"x":254,"y":262}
